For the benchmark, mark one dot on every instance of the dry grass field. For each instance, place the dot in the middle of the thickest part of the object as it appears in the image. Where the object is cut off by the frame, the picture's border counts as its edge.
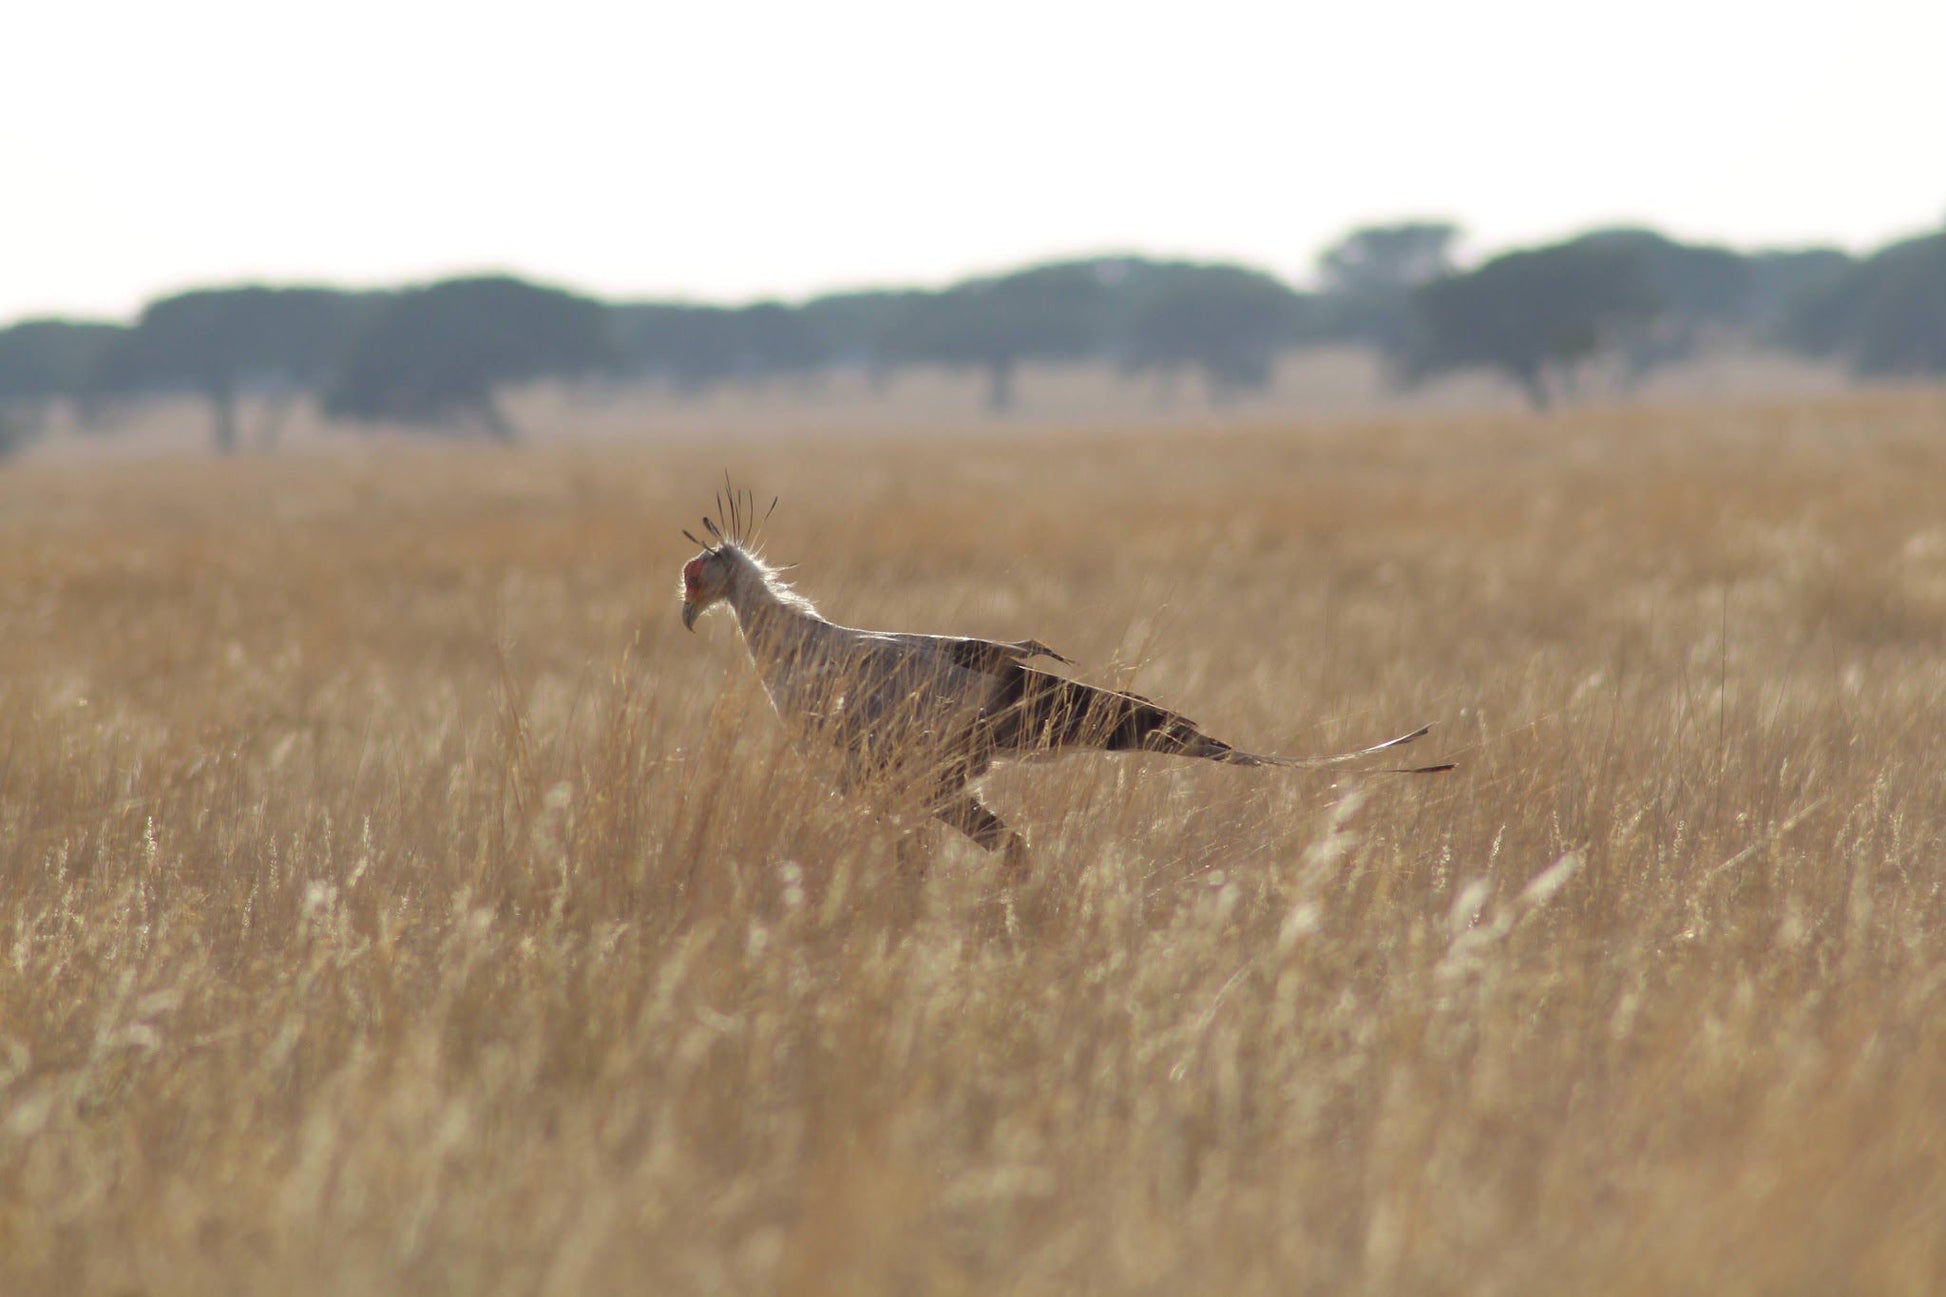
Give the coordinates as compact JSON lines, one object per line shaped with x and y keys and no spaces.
{"x":394,"y":898}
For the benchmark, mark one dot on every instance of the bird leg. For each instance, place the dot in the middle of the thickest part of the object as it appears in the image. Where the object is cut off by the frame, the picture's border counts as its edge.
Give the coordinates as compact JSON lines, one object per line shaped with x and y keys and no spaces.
{"x":963,"y":811}
{"x":912,"y":857}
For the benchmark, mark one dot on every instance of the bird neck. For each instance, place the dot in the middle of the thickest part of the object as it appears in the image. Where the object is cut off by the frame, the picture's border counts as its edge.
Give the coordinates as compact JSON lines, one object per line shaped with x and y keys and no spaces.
{"x":773,"y":620}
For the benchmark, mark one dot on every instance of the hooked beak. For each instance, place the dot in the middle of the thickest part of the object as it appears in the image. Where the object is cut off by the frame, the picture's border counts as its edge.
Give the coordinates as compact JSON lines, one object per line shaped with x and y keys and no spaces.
{"x":688,"y":615}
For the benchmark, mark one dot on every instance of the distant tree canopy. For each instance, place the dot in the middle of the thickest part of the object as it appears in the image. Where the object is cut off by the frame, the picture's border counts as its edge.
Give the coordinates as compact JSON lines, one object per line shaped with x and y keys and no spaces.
{"x":1228,"y":323}
{"x":1782,"y":281}
{"x":694,"y":348}
{"x":223,"y":343}
{"x":1883,"y":316}
{"x":442,"y":354}
{"x":1368,"y":277}
{"x":439,"y":355}
{"x":1054,"y":313}
{"x":1694,"y":292}
{"x":861,"y":330}
{"x":42,"y":362}
{"x":1534,"y":316}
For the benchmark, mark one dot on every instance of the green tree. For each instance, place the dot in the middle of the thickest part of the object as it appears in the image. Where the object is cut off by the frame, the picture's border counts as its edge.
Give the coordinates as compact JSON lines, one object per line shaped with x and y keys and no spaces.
{"x":695,"y":348}
{"x":688,"y":346}
{"x":1226,"y":322}
{"x":860,"y":329}
{"x":1782,"y":281}
{"x":1699,"y":291}
{"x":775,"y":341}
{"x":1532,"y":315}
{"x":1368,"y":277}
{"x":1884,"y":316}
{"x":227,"y":342}
{"x":440,"y":355}
{"x":1053,"y":314}
{"x":691,"y":347}
{"x":43,"y":362}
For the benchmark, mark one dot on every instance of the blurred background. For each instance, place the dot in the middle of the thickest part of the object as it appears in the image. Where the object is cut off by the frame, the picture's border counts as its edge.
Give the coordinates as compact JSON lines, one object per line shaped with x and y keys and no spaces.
{"x":232,"y":229}
{"x":395,"y":898}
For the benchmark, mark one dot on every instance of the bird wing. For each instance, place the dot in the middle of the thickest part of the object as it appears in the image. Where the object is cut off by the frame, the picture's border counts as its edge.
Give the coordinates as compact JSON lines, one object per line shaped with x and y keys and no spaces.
{"x":918,"y":682}
{"x":910,"y":699}
{"x":1037,"y":711}
{"x":988,"y":657}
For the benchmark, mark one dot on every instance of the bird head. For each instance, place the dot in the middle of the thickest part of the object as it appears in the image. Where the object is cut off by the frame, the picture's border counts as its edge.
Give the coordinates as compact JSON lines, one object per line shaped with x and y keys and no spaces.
{"x":705,"y":583}
{"x":707,"y":578}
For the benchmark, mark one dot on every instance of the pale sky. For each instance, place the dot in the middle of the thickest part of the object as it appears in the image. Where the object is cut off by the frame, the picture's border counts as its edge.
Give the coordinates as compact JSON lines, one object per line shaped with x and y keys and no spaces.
{"x":731,"y":151}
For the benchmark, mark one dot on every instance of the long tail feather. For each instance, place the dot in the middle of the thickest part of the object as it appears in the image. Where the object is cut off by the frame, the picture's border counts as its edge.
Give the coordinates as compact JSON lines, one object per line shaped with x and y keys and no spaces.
{"x":1338,"y":758}
{"x":1049,"y":712}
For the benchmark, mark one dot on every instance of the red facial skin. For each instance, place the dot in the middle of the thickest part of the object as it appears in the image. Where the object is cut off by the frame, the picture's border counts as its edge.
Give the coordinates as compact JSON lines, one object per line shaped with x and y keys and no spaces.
{"x":692,"y":583}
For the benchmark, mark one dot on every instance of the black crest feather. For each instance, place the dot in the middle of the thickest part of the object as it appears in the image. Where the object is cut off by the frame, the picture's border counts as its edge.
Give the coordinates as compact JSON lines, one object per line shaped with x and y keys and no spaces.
{"x":740,"y":523}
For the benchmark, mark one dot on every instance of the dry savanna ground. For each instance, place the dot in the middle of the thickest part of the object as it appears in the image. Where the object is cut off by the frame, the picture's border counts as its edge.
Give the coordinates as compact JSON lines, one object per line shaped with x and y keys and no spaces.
{"x":393,"y":897}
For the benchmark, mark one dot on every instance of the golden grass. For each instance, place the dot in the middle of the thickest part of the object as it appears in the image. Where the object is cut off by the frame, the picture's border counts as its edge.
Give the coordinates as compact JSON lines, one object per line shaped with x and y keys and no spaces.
{"x":393,"y":898}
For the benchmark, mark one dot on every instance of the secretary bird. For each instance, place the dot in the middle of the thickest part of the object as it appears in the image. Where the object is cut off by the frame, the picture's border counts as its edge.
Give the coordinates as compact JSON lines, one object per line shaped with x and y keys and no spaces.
{"x":921,"y":717}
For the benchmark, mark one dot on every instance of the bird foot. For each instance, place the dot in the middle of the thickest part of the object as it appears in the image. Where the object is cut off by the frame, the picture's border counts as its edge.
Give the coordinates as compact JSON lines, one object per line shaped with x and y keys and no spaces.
{"x":912,"y":857}
{"x":1013,"y":861}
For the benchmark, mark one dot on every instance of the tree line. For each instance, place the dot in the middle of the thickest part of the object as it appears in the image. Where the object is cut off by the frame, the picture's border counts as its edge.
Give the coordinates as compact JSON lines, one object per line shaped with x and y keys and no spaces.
{"x":442,"y":355}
